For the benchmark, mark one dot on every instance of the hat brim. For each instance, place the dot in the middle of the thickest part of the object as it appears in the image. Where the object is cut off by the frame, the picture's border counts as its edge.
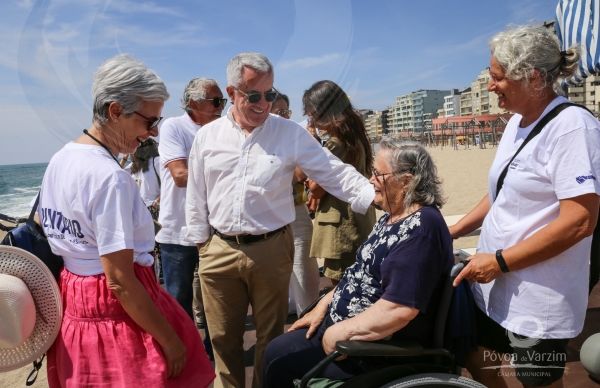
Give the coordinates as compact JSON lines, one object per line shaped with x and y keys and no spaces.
{"x":49,"y":310}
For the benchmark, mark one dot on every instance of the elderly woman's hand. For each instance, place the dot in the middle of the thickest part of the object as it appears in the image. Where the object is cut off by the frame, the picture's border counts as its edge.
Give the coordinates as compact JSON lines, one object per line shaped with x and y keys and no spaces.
{"x":482,"y":268}
{"x":314,"y":318}
{"x":330,"y":338}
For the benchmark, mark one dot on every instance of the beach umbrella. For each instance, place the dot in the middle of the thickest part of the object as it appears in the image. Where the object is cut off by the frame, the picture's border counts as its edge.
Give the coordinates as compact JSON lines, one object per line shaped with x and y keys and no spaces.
{"x":577,"y":21}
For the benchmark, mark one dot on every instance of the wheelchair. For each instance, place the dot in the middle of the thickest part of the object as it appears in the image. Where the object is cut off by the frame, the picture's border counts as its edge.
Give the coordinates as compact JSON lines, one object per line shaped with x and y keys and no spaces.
{"x":417,"y":367}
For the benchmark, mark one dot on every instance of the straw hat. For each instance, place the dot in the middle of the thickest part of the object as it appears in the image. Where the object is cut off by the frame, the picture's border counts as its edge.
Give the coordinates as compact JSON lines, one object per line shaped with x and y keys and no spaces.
{"x":30,"y":308}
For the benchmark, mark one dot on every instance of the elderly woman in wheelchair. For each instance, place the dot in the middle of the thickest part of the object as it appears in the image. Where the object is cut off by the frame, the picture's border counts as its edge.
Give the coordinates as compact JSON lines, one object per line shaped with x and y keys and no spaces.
{"x":393,"y":289}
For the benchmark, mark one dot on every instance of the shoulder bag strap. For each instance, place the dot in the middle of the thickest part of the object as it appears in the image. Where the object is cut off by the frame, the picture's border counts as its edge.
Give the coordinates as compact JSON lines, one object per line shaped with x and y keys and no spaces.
{"x":34,"y":208}
{"x":154,"y":167}
{"x":536,"y":131}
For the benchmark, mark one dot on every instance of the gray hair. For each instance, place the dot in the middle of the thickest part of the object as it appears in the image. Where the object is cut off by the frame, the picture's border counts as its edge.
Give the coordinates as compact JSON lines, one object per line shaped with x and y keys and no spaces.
{"x":196,"y":91}
{"x":127,"y":81}
{"x":254,"y":61}
{"x":522,"y":49}
{"x":407,"y":157}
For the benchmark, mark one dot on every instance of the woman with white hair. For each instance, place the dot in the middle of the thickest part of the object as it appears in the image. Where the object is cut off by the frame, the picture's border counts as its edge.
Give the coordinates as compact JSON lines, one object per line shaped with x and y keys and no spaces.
{"x":532,"y":263}
{"x":120,"y":328}
{"x":393,"y":289}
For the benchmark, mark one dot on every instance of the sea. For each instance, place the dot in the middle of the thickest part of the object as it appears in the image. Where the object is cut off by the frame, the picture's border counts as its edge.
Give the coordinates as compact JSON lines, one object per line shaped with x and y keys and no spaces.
{"x":19,"y":184}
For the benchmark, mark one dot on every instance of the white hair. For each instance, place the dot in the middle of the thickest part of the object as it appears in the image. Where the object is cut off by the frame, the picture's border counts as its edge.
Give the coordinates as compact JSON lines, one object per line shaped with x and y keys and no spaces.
{"x":407,"y":157}
{"x":522,"y":49}
{"x":127,"y":81}
{"x":255,"y":61}
{"x":196,"y":91}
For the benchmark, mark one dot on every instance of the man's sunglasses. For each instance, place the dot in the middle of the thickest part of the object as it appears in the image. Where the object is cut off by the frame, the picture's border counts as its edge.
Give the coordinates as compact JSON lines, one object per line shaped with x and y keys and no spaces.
{"x":217,"y":102}
{"x":286,"y":113}
{"x":254,"y":97}
{"x":151,"y":122}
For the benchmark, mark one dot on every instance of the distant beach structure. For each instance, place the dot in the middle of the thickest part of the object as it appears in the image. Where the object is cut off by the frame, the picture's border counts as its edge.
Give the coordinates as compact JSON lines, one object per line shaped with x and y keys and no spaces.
{"x":19,"y":184}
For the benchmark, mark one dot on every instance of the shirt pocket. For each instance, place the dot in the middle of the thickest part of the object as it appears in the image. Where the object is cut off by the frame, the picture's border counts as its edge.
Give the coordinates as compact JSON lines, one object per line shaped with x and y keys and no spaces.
{"x":269,"y":171}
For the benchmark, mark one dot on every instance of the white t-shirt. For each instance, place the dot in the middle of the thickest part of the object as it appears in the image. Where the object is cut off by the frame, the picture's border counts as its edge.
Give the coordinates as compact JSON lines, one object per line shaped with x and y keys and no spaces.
{"x":148,"y":181}
{"x":89,"y":206}
{"x":176,"y":139}
{"x":549,"y":299}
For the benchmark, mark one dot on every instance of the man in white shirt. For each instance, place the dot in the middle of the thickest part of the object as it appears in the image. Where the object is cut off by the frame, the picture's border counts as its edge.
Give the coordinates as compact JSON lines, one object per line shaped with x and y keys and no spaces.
{"x":202,"y":102}
{"x":239,"y":206}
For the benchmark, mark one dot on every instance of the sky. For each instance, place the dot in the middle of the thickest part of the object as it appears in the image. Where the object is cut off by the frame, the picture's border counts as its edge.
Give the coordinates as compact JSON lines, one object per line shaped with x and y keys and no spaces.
{"x":375,"y":50}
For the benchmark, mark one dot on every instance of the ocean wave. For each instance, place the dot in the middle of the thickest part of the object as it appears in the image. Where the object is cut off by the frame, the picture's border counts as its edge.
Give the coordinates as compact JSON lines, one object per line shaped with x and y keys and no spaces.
{"x":26,"y":189}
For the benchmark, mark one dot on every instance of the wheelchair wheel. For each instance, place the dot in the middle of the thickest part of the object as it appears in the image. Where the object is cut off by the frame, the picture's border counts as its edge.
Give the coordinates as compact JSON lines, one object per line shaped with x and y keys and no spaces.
{"x":433,"y":380}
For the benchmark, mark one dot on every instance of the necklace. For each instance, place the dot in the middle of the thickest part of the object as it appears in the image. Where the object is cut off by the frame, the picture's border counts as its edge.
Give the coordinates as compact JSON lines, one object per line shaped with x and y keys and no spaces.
{"x":101,"y":144}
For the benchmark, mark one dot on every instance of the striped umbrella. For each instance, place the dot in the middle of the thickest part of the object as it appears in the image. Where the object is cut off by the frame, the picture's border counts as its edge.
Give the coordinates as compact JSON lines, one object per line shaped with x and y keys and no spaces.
{"x":577,"y":21}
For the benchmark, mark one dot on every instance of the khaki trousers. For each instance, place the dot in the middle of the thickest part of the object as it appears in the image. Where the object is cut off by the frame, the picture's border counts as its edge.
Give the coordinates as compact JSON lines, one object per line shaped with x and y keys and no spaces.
{"x":233,"y":276}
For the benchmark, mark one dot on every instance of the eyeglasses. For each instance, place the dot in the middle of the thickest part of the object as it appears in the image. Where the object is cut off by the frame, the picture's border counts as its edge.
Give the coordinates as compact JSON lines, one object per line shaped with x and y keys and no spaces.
{"x":377,"y":175}
{"x":287,"y":113}
{"x":217,"y":102}
{"x":151,"y":122}
{"x":254,"y":97}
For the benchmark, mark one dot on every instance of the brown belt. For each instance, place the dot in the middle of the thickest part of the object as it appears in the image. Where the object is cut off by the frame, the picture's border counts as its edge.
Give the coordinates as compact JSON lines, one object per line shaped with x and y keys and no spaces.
{"x":249,"y":238}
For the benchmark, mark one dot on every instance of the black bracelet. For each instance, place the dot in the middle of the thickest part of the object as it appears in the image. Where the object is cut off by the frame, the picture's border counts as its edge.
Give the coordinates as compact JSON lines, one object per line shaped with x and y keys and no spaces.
{"x":501,"y":261}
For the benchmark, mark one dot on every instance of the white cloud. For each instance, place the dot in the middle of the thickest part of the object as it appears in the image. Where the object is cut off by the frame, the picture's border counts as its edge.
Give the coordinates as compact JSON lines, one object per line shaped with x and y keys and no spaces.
{"x":132,"y":7}
{"x":309,"y":61}
{"x":27,"y":4}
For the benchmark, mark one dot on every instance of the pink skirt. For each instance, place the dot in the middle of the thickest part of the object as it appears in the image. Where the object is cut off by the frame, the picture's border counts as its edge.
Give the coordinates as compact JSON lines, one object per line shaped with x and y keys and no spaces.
{"x":99,"y":345}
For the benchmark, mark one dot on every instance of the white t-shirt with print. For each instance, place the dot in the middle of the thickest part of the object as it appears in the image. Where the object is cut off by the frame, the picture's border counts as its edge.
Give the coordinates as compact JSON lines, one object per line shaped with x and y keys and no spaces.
{"x":148,"y":181}
{"x":548,"y":299}
{"x":176,"y":139}
{"x":89,"y":206}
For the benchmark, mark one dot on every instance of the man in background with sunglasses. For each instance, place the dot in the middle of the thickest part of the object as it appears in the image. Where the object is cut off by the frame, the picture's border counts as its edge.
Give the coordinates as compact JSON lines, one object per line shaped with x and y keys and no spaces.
{"x":238,"y":209}
{"x":202,"y":103}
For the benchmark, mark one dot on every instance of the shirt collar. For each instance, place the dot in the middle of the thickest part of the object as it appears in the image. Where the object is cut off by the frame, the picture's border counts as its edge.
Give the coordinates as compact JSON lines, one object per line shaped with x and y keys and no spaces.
{"x":237,"y":126}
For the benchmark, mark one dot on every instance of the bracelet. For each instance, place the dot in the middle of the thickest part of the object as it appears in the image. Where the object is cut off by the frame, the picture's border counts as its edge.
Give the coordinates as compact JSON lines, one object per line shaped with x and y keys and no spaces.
{"x":501,"y":261}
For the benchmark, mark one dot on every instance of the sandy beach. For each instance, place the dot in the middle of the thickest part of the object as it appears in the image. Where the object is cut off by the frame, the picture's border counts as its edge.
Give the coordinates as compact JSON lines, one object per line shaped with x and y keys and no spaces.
{"x":464,"y":174}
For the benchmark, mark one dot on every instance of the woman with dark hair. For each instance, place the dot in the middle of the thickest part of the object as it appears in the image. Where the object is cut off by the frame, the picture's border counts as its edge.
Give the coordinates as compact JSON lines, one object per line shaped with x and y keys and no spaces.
{"x":338,"y":231}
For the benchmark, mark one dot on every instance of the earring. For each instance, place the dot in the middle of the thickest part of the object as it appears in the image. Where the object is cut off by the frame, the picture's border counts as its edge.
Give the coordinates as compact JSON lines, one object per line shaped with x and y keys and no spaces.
{"x":116,"y":120}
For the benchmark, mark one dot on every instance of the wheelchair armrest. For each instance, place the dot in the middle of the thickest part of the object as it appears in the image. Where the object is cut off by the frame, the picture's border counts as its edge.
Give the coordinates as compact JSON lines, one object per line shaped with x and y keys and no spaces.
{"x":310,"y":306}
{"x":379,"y":348}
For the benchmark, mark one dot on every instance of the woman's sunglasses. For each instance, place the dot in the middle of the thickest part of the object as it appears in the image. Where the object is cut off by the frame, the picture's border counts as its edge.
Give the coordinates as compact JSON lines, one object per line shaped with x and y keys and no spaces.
{"x":254,"y":97}
{"x":152,"y":122}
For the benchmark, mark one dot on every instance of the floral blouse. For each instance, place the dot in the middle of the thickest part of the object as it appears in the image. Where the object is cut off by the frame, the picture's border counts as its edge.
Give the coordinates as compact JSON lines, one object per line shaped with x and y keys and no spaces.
{"x":404,"y":263}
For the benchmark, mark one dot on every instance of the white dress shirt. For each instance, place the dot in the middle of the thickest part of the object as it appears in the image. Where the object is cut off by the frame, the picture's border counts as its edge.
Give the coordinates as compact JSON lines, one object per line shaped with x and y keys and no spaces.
{"x":241,"y":185}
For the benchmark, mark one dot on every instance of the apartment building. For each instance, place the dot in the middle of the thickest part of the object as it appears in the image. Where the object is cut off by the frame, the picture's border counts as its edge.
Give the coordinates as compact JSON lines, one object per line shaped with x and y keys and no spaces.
{"x":371,"y":124}
{"x":376,"y":123}
{"x":479,"y":101}
{"x":452,"y":104}
{"x":586,"y":92}
{"x":407,"y":114}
